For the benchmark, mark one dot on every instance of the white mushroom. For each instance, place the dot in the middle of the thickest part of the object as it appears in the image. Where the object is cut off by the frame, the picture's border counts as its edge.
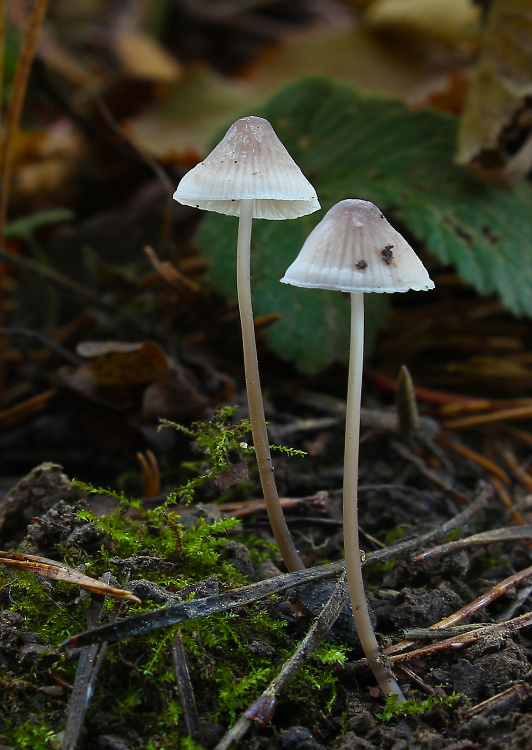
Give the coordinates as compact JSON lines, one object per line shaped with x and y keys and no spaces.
{"x":250,"y":174}
{"x":354,"y":249}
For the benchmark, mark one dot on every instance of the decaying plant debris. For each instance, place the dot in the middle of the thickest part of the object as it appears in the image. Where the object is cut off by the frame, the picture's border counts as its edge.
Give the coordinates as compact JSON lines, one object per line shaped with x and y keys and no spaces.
{"x":169,"y":622}
{"x":421,"y":588}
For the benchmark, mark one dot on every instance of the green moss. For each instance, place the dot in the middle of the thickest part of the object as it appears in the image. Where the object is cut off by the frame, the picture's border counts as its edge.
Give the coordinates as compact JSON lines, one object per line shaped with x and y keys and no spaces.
{"x":137,"y":680}
{"x":394,"y":708}
{"x":34,"y":735}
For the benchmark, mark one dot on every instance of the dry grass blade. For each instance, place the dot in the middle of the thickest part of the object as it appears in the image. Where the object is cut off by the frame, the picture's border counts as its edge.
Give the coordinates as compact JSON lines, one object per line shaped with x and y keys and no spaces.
{"x":185,"y":690}
{"x":499,"y":628}
{"x":486,"y":537}
{"x":500,"y":702}
{"x":2,"y":49}
{"x":263,"y":708}
{"x":90,"y":660}
{"x":469,"y":609}
{"x":472,"y":455}
{"x":41,"y":566}
{"x":33,"y":405}
{"x":426,"y":471}
{"x":516,"y":412}
{"x":16,"y":101}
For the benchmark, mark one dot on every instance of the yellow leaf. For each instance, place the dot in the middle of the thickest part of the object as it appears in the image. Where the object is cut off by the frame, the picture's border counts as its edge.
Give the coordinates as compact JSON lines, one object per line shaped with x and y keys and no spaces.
{"x":143,"y":57}
{"x":449,"y":22}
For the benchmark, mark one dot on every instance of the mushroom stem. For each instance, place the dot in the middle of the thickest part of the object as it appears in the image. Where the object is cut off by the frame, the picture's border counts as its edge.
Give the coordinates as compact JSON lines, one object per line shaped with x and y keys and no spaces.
{"x":256,"y":407}
{"x":353,"y":560}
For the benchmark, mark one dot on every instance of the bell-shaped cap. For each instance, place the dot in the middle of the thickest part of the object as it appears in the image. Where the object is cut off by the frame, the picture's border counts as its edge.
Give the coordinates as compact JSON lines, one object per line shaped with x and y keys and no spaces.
{"x":354,"y":249}
{"x":249,"y":162}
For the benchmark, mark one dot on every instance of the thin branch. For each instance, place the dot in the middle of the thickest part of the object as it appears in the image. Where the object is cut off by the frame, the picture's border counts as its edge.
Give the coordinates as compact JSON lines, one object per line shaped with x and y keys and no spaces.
{"x":185,"y":690}
{"x":263,"y":708}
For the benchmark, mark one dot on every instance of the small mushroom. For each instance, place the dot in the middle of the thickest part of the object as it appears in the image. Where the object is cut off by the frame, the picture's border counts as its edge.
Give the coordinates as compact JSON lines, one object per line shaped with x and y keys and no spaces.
{"x":250,"y":174}
{"x":354,"y":249}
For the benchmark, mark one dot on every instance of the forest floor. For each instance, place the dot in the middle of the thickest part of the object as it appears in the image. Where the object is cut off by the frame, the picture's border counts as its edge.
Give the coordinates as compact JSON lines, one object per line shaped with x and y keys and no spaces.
{"x":109,"y":324}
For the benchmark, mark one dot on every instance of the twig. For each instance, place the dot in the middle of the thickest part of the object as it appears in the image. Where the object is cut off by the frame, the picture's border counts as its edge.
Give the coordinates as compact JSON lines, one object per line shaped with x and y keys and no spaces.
{"x":24,"y":409}
{"x":507,"y":628}
{"x":195,"y":609}
{"x":478,"y":458}
{"x":90,"y":661}
{"x":263,"y":708}
{"x":44,"y":341}
{"x":432,"y":475}
{"x":499,"y":487}
{"x":486,"y":537}
{"x":519,"y":470}
{"x":433,"y":633}
{"x":515,"y":412}
{"x":185,"y":690}
{"x":74,"y":288}
{"x":499,"y":702}
{"x":519,"y":600}
{"x":469,"y":609}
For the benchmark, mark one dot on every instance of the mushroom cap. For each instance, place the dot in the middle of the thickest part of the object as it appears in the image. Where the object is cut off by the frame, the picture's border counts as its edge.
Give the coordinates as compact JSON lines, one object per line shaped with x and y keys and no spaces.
{"x":354,"y":249}
{"x":249,"y":162}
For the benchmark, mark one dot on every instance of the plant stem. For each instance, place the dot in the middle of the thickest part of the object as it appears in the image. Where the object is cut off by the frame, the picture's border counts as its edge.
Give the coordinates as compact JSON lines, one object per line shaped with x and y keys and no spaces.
{"x":256,"y":407}
{"x":353,"y":561}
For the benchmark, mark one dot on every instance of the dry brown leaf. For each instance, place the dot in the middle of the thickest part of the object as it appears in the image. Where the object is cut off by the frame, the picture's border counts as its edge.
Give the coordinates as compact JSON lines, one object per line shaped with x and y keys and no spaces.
{"x":120,"y":363}
{"x":495,"y":140}
{"x":41,"y":566}
{"x":143,"y":57}
{"x":183,"y":123}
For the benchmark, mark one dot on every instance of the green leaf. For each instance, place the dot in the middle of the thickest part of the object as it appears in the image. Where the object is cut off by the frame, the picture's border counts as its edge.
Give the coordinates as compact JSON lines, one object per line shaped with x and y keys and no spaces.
{"x":355,"y":146}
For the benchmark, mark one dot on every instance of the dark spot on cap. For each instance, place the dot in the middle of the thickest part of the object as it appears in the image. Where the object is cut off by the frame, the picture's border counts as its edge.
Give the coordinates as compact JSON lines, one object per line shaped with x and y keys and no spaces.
{"x":387,"y":254}
{"x":361,"y":264}
{"x":236,"y":161}
{"x":233,"y":200}
{"x":382,"y":216}
{"x":197,"y":205}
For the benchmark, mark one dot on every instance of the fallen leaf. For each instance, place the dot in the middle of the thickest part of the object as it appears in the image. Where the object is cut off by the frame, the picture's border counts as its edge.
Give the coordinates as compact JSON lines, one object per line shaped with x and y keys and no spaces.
{"x":144,"y":57}
{"x":495,"y":135}
{"x":119,"y":363}
{"x":453,"y":23}
{"x":182,"y":123}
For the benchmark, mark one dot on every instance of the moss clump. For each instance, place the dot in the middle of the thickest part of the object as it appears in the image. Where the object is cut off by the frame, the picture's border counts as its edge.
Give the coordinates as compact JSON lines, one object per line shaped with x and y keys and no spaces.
{"x":412,"y":706}
{"x":231,"y":656}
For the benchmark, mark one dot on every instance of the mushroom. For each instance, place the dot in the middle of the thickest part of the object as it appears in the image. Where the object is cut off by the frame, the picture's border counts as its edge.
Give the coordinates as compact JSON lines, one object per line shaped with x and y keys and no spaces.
{"x":354,"y":249}
{"x":250,"y":174}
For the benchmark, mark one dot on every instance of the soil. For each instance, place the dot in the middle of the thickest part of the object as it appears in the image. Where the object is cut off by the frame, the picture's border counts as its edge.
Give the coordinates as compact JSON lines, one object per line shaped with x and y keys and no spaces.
{"x":491,"y":675}
{"x":60,"y":420}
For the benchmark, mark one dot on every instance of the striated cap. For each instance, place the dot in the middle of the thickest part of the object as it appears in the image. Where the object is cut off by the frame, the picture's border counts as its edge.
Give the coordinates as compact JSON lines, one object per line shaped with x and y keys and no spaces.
{"x":354,"y":249}
{"x":249,"y":162}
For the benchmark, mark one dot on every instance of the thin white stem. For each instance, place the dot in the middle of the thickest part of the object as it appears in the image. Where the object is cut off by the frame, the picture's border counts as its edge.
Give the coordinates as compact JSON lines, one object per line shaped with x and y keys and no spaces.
{"x":353,"y":562}
{"x":256,"y":407}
